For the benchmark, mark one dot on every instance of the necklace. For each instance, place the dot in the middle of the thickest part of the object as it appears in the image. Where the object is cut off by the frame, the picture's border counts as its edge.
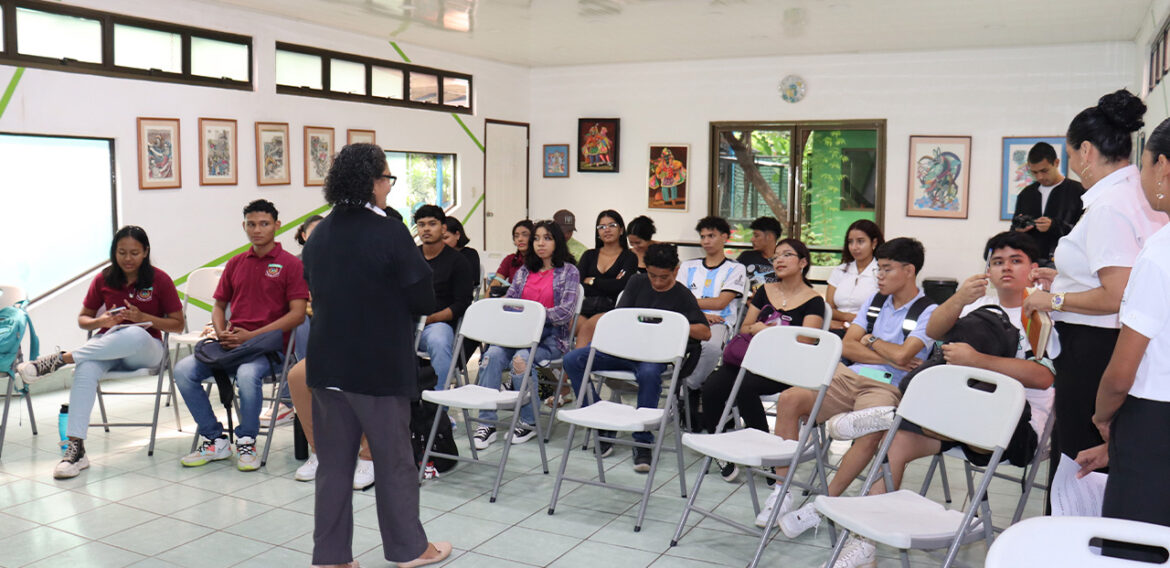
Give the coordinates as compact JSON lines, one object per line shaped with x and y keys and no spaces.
{"x":783,"y":296}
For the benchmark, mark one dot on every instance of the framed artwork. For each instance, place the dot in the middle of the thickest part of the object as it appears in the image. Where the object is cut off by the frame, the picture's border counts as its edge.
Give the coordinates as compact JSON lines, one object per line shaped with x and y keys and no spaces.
{"x":1016,"y":175}
{"x":556,"y":160}
{"x":598,"y":139}
{"x":158,"y":153}
{"x":940,"y":174}
{"x":272,"y":154}
{"x":354,"y":136}
{"x":218,"y":155}
{"x":667,"y":185}
{"x":318,"y":154}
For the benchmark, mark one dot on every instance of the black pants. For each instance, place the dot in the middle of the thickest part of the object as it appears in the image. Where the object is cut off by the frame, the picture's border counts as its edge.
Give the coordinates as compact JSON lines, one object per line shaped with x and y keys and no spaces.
{"x":1139,"y":457}
{"x":717,"y":389}
{"x":1084,"y":354}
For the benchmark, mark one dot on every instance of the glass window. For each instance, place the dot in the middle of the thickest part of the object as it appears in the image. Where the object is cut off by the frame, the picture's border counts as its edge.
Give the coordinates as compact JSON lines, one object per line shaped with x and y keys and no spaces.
{"x":424,"y":88}
{"x":213,"y":58}
{"x":298,"y":69}
{"x":753,"y":178}
{"x":387,"y":82}
{"x":838,"y":187}
{"x":422,"y":179}
{"x":147,"y":49}
{"x":58,"y":36}
{"x":455,"y":92}
{"x":347,"y":77}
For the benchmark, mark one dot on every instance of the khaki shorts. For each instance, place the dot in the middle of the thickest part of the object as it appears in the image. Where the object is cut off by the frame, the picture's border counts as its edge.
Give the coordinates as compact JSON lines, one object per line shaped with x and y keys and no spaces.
{"x":850,"y":391}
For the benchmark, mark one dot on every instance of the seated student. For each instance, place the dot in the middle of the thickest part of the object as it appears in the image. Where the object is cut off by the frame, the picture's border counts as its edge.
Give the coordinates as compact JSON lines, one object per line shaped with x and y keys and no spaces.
{"x":453,"y":283}
{"x":549,"y":278}
{"x":265,"y":290}
{"x":758,"y":261}
{"x":132,"y":291}
{"x":567,"y":221}
{"x":790,"y":300}
{"x":521,"y":235}
{"x":604,"y":271}
{"x":855,"y":279}
{"x":656,"y":289}
{"x":640,"y":235}
{"x":456,"y":238}
{"x":881,"y":355}
{"x":302,"y":396}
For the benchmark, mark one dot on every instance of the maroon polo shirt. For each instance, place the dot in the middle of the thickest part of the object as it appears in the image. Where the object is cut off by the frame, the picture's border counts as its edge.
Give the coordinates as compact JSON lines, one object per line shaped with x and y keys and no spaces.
{"x":158,"y":300}
{"x":259,"y":288}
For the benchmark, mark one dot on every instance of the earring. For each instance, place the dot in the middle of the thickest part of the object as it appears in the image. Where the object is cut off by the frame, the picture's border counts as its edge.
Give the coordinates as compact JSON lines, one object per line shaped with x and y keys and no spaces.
{"x":1084,"y":171}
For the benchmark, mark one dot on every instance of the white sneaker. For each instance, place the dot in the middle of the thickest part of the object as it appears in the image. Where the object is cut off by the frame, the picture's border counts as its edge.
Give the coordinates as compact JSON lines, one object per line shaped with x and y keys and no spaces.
{"x":208,"y":451}
{"x":32,"y":371}
{"x":246,"y":457}
{"x":522,"y":433}
{"x":857,"y":553}
{"x":484,"y":436}
{"x":795,"y":523}
{"x":766,"y":510}
{"x":284,"y":415}
{"x":853,"y":425}
{"x":308,"y":470}
{"x":74,"y":461}
{"x":363,"y":475}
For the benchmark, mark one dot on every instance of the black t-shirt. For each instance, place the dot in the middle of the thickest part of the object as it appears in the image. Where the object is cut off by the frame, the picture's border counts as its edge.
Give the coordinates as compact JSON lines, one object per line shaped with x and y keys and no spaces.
{"x":640,"y":294}
{"x":814,"y":306}
{"x":453,"y":282}
{"x":611,"y":282}
{"x":472,"y":257}
{"x":759,"y":269}
{"x":1064,"y":207}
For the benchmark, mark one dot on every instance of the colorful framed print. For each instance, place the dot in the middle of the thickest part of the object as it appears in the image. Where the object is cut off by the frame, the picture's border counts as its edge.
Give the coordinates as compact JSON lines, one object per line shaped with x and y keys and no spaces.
{"x":219,"y":162}
{"x":1016,"y":175}
{"x":667,"y":186}
{"x":940,"y":174}
{"x":354,"y":136}
{"x":158,"y":153}
{"x":318,"y":154}
{"x":272,"y":154}
{"x":598,"y":140}
{"x":556,"y":160}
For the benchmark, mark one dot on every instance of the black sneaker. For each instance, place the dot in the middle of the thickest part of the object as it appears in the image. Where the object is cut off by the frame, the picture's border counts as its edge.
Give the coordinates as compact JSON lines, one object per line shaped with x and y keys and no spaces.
{"x":727,"y":470}
{"x":74,"y":461}
{"x":606,"y":449}
{"x":642,"y":460}
{"x":484,"y":436}
{"x":522,"y":433}
{"x":32,"y":371}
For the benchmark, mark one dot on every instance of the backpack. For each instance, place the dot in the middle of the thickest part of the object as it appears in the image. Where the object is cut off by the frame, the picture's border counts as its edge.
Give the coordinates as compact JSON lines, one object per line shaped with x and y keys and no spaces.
{"x":14,"y":321}
{"x":987,"y":329}
{"x":422,"y":417}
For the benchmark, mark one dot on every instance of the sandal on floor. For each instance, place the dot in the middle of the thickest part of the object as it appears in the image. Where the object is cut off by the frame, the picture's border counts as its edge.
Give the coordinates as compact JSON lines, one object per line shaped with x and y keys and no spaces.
{"x":559,"y":400}
{"x":444,"y":549}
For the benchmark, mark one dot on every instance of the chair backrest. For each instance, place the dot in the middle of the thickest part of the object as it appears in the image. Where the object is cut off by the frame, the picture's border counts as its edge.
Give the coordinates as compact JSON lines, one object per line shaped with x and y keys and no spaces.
{"x":779,"y":354}
{"x":577,"y":311}
{"x":10,"y":295}
{"x":642,"y":334}
{"x":954,"y":401}
{"x":828,"y":321}
{"x":201,"y":283}
{"x":506,"y":322}
{"x":1064,"y":541}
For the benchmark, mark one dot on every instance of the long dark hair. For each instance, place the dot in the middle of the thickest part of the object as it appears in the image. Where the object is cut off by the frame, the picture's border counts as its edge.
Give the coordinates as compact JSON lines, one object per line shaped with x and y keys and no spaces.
{"x":560,"y":253}
{"x":114,"y":275}
{"x":1108,"y":125}
{"x":617,"y":218}
{"x":801,"y":253}
{"x":454,"y":226}
{"x":870,"y":229}
{"x":304,"y":228}
{"x":527,"y":224}
{"x":1158,"y":144}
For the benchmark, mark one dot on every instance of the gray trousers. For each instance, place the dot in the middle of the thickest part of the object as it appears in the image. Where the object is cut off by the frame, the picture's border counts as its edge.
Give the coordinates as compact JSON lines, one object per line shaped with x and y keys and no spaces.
{"x":712,"y":350}
{"x":339,"y":419}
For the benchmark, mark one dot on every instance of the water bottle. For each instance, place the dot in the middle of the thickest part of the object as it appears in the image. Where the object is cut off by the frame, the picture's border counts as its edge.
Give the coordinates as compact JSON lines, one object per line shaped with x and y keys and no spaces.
{"x":62,"y":425}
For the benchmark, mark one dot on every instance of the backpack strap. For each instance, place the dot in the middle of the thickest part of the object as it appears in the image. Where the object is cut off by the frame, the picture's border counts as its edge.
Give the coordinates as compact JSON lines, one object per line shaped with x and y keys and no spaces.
{"x":916,"y":309}
{"x":875,"y":308}
{"x":34,"y":343}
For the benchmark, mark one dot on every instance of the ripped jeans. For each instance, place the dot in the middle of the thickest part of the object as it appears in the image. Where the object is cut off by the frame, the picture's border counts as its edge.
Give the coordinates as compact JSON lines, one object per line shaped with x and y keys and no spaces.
{"x":493,"y":362}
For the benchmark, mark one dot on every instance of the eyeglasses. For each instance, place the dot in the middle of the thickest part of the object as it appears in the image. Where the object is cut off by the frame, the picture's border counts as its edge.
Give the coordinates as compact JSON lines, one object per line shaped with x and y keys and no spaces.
{"x":608,"y":226}
{"x":883,"y":270}
{"x":787,"y":254}
{"x":392,"y":179}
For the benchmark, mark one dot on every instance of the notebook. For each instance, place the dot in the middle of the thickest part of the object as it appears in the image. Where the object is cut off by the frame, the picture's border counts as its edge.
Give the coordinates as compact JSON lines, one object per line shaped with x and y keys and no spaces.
{"x":1038,"y":329}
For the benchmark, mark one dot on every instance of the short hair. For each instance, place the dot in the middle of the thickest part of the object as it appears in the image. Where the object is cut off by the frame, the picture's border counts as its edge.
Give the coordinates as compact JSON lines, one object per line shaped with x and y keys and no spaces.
{"x":262,"y":206}
{"x":1022,"y":242}
{"x":454,"y":226}
{"x":871,"y":230}
{"x":767,"y":224}
{"x":617,"y":218}
{"x":1109,"y":125}
{"x":304,"y":228}
{"x":642,"y":227}
{"x":661,"y":255}
{"x":351,"y":177}
{"x":560,"y":253}
{"x":715,"y":223}
{"x":1040,"y":152}
{"x":428,"y":210}
{"x":902,"y":249}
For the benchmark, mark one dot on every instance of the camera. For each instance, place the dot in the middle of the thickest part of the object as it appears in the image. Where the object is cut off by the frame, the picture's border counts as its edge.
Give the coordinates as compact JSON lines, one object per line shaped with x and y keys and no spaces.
{"x":1022,"y":222}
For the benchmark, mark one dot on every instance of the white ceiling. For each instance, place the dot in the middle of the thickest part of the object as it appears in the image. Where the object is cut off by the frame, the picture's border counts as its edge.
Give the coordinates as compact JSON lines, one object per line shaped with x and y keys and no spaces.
{"x":570,"y":32}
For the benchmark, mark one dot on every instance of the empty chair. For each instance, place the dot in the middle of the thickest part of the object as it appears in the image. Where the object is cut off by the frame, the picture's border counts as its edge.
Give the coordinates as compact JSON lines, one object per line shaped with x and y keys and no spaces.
{"x":1066,"y":541}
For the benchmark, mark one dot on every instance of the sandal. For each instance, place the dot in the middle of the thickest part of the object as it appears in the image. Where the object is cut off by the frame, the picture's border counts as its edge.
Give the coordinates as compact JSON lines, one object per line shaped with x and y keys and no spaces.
{"x":443,"y":548}
{"x":560,"y":400}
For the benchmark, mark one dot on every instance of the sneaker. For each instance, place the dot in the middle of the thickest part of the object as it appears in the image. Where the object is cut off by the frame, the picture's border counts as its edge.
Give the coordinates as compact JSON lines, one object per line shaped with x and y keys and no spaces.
{"x":857,"y":553}
{"x":284,"y":415}
{"x":605,"y":448}
{"x":246,"y":458}
{"x":32,"y":371}
{"x":642,"y":460}
{"x":363,"y":475}
{"x":727,"y":470}
{"x":770,"y":503}
{"x":795,"y":523}
{"x":430,"y":472}
{"x":484,"y":436}
{"x":522,"y":433}
{"x":73,"y":462}
{"x":308,"y":470}
{"x":208,"y":451}
{"x":853,"y":425}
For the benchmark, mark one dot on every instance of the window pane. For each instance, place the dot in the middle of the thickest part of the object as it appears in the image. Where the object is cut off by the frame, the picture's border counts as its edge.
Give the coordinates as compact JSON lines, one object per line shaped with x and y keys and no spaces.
{"x":839,"y":187}
{"x":57,"y":36}
{"x":387,"y":83}
{"x":212,"y":58}
{"x":424,"y":88}
{"x":455,"y":92}
{"x":347,"y":77}
{"x":753,"y":172}
{"x":423,"y":179}
{"x":298,"y":69}
{"x":147,"y":49}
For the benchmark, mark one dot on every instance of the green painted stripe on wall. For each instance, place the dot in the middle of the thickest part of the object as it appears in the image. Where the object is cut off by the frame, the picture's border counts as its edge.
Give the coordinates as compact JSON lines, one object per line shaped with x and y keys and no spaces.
{"x":473,"y":208}
{"x":15,"y":80}
{"x":401,"y":53}
{"x":468,"y":131}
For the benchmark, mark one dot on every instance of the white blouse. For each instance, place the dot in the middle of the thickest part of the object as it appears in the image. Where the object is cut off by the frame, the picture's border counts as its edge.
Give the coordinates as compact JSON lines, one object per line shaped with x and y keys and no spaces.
{"x":1145,"y":308}
{"x":852,"y":287}
{"x":1116,"y":223}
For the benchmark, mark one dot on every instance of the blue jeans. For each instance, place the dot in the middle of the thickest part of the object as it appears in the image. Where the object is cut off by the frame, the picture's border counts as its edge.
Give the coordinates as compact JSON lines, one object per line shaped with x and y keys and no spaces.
{"x":648,"y":375}
{"x":438,"y":340}
{"x":491,"y":368}
{"x":127,"y":349}
{"x":189,"y":377}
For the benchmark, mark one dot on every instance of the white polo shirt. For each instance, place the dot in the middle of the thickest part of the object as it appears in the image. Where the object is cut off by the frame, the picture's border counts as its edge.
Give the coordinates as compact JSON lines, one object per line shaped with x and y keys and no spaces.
{"x":852,"y":287}
{"x":1115,"y":226}
{"x":1145,"y":308}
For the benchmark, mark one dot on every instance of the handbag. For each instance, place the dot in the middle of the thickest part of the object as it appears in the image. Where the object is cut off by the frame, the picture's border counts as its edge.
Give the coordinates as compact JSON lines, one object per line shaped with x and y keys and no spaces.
{"x":736,"y":349}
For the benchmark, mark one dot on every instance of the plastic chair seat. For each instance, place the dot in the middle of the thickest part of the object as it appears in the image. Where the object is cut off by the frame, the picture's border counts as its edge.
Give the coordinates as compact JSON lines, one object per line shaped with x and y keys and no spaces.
{"x":606,"y":415}
{"x":902,"y":519}
{"x":473,"y":397}
{"x":190,"y":338}
{"x":750,"y":447}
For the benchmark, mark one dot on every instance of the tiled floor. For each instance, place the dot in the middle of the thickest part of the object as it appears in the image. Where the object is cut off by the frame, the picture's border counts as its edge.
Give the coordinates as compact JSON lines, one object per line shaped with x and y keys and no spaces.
{"x":129,"y":509}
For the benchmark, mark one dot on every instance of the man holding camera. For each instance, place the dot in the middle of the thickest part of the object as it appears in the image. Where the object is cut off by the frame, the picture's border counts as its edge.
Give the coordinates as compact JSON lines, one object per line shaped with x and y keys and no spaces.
{"x":1047,"y":208}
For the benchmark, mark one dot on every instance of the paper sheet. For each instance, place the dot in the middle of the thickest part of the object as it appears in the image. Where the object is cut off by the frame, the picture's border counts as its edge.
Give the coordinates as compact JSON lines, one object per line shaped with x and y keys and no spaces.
{"x":1076,"y":497}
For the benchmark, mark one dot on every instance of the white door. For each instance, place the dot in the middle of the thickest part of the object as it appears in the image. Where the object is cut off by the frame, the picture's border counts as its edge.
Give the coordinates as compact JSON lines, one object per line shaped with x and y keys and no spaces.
{"x":505,"y":182}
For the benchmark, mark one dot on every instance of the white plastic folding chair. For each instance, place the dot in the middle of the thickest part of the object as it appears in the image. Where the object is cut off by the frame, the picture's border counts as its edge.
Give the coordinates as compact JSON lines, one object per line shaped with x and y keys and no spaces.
{"x":200,"y":286}
{"x":974,"y":406}
{"x":10,"y":295}
{"x":505,"y":322}
{"x":637,"y":334}
{"x":799,"y":357}
{"x":1069,"y":541}
{"x":557,"y":367}
{"x":159,"y":372}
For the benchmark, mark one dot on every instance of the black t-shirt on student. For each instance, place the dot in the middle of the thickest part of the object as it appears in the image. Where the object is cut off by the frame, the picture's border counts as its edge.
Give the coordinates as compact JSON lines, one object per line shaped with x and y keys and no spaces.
{"x":759,"y":269}
{"x":640,"y":294}
{"x":472,"y":257}
{"x":453,"y":282}
{"x":814,"y":306}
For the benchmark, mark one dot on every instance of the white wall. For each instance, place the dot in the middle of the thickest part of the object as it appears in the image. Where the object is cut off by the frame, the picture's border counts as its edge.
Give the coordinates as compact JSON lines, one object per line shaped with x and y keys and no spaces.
{"x":987,"y":94}
{"x":195,"y":224}
{"x":1158,"y":99}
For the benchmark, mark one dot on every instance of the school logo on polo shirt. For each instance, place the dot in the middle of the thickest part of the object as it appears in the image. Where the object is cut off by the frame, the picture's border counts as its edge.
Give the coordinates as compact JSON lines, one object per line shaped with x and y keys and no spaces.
{"x":273,"y":270}
{"x":145,"y":294}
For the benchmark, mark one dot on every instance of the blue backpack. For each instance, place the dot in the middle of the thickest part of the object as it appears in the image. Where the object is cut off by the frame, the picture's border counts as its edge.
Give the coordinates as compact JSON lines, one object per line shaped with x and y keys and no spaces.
{"x":13,"y":322}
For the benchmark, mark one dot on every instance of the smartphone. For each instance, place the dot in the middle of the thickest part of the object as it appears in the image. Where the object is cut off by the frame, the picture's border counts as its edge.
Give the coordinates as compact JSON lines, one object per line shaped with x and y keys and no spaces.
{"x":115,"y":310}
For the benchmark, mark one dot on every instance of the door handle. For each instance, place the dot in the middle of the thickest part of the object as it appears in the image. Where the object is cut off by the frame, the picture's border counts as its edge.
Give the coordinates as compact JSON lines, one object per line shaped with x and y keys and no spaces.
{"x":489,"y":214}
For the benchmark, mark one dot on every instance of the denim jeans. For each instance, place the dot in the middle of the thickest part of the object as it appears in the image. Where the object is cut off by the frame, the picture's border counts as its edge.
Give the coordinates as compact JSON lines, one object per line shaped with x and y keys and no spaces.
{"x":496,"y":359}
{"x":648,"y":375}
{"x":249,"y":376}
{"x":438,"y":340}
{"x":126,"y":349}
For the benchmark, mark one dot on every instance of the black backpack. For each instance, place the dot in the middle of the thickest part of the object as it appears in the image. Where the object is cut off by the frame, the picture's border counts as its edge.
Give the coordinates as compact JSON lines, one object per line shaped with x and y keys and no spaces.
{"x":422,"y":416}
{"x":988,"y":330}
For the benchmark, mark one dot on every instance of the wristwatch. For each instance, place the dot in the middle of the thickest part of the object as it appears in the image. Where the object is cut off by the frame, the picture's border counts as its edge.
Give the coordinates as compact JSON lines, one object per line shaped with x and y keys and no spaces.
{"x":870,"y":341}
{"x":1058,"y":302}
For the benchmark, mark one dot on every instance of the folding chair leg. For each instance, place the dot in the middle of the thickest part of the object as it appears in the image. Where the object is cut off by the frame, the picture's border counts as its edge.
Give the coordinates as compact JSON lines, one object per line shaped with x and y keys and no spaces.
{"x":930,"y":475}
{"x":174,"y":396}
{"x":682,"y":522}
{"x":158,"y":393}
{"x":504,"y":453}
{"x":985,"y":513}
{"x":534,"y":400}
{"x":597,"y":453}
{"x":656,"y":453}
{"x":4,"y":420}
{"x":1026,"y":491}
{"x":904,"y":556}
{"x":970,"y":479}
{"x":552,"y":504}
{"x":102,"y":406}
{"x":552,"y":415}
{"x":678,"y":451}
{"x":838,"y":547}
{"x":467,"y":429}
{"x":942,"y":474}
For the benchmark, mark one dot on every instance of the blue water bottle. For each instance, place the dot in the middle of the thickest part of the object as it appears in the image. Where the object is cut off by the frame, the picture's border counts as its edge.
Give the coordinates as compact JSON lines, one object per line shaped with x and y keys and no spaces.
{"x":62,"y":424}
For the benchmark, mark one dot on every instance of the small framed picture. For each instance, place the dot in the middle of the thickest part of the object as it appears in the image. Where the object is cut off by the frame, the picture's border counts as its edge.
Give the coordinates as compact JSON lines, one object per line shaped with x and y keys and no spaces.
{"x":556,"y":160}
{"x":218,"y":155}
{"x":354,"y":136}
{"x":597,"y":143}
{"x":1016,"y":175}
{"x":158,"y":153}
{"x":667,"y":185}
{"x":940,"y":172}
{"x":272,"y":154}
{"x":318,"y":154}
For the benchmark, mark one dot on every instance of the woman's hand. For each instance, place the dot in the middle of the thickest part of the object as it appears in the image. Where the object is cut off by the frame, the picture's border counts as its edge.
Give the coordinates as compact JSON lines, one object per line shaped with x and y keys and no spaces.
{"x":1043,"y":277}
{"x":108,"y":320}
{"x":757,"y":327}
{"x":1102,"y":423}
{"x":132,"y":313}
{"x":1092,"y":459}
{"x":1038,"y":301}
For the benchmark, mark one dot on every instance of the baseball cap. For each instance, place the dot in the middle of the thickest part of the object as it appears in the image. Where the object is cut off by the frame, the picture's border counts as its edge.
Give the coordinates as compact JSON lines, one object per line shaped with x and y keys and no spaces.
{"x":565,"y":220}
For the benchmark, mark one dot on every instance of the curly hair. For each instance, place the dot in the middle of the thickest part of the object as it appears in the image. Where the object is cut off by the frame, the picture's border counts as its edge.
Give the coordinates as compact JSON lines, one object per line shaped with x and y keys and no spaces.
{"x":351,"y":178}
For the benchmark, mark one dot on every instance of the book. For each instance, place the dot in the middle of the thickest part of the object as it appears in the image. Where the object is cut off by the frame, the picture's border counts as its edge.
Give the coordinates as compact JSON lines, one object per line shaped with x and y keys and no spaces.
{"x":1038,"y":329}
